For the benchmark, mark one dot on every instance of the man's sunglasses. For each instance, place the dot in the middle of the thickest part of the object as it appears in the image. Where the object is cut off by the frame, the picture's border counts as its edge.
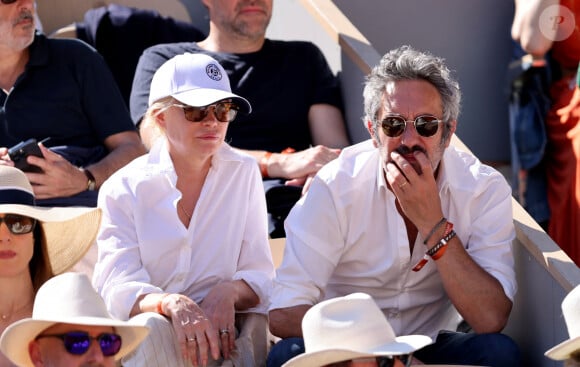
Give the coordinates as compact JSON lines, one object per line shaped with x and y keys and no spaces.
{"x":426,"y":125}
{"x":18,"y":224}
{"x":390,"y":361}
{"x":380,"y":361}
{"x":79,"y":342}
{"x":8,"y":1}
{"x":223,"y":111}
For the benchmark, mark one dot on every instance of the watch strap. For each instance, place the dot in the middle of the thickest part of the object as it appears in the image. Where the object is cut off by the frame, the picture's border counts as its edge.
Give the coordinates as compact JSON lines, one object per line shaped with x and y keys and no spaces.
{"x":91,"y":182}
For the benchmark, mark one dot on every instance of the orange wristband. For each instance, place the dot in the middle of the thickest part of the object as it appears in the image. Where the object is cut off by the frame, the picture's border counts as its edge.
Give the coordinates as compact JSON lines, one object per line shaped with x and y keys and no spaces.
{"x":264,"y":164}
{"x":159,"y":307}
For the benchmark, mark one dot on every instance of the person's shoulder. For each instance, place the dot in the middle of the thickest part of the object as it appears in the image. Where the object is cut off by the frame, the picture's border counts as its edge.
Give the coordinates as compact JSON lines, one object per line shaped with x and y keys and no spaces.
{"x":168,"y":50}
{"x":300,"y":47}
{"x":469,"y":172}
{"x":70,"y":46}
{"x":227,"y":153}
{"x":351,"y":162}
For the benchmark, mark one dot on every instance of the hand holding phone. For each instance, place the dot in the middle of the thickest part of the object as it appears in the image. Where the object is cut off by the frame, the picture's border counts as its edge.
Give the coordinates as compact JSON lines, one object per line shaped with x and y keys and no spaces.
{"x":20,"y":151}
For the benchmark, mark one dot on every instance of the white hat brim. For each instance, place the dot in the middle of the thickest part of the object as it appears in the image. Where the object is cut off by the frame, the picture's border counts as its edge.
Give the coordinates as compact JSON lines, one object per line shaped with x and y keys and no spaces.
{"x":69,"y":231}
{"x":21,"y":332}
{"x":402,"y":345}
{"x":563,"y":350}
{"x":205,"y":96}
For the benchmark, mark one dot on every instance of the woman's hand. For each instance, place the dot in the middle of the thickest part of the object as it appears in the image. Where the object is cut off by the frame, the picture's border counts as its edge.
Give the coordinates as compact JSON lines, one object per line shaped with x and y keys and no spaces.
{"x":193,"y":329}
{"x":219,"y":306}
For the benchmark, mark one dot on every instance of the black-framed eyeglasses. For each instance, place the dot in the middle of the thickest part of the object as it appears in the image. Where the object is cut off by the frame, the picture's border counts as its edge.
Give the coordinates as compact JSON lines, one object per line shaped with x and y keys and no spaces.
{"x":8,"y":1}
{"x":426,"y":125}
{"x":18,"y":224}
{"x":223,"y":111}
{"x":79,"y":342}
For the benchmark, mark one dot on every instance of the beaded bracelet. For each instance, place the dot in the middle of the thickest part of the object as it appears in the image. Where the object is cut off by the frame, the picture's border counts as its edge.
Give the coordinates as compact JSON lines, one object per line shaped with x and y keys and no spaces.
{"x":438,"y":250}
{"x":443,"y":220}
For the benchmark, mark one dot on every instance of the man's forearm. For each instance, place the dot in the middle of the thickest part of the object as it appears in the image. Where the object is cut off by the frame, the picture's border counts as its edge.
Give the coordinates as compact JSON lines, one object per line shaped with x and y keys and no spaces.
{"x":287,"y":322}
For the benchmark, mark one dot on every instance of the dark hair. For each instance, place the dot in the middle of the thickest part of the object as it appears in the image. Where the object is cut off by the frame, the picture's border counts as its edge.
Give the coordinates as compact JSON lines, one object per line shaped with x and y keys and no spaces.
{"x":39,"y":265}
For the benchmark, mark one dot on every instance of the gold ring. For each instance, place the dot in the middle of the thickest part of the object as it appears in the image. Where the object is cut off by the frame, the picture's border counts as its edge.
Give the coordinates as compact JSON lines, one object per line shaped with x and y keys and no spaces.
{"x":191,"y":340}
{"x":403,"y":184}
{"x":224,"y":331}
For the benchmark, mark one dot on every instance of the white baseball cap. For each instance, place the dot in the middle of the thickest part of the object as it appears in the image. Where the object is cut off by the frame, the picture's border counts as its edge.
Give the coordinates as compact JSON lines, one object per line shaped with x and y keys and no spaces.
{"x":195,"y":80}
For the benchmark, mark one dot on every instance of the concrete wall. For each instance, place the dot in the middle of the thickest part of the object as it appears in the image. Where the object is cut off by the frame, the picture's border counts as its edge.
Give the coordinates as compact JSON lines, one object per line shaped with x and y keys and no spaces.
{"x":473,"y":36}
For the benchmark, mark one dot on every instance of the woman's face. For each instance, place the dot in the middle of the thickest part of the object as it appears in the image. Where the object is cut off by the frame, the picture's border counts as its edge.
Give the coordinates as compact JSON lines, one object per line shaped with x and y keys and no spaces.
{"x":199,"y":139}
{"x":16,"y":250}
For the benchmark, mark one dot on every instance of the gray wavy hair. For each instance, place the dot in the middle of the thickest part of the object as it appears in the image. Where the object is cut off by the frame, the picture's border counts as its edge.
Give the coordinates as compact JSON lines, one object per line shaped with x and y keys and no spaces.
{"x":406,"y":63}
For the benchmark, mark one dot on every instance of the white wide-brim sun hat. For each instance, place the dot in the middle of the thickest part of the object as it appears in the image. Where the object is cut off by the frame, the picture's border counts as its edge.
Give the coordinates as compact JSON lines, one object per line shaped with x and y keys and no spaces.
{"x":350,"y":327}
{"x":68,"y":298}
{"x":69,"y":231}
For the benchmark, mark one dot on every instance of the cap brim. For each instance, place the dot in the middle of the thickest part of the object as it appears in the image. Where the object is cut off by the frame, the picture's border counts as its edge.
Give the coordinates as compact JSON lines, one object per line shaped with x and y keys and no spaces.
{"x":402,"y":345}
{"x":563,"y":350}
{"x":15,"y":339}
{"x":203,"y":97}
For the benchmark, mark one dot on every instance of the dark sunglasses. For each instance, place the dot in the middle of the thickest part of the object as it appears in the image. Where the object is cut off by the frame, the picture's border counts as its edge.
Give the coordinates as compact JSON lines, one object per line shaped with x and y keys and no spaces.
{"x":79,"y":342}
{"x":18,"y":224}
{"x":223,"y":112}
{"x":426,"y":125}
{"x":380,"y":361}
{"x":390,"y":361}
{"x":8,"y":1}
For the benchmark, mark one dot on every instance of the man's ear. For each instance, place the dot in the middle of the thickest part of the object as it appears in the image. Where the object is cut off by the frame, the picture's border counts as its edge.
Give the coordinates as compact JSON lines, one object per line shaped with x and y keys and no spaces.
{"x":452,"y":128}
{"x":371,"y":131}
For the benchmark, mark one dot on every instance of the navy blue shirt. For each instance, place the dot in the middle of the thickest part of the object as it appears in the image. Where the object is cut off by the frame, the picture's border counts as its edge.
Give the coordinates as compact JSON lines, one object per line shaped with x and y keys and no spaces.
{"x":281,"y":81}
{"x":66,"y":93}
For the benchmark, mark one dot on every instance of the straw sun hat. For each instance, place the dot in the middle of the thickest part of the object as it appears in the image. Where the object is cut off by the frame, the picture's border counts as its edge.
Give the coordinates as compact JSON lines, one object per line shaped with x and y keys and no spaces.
{"x":68,"y":298}
{"x":69,"y":231}
{"x":350,"y":327}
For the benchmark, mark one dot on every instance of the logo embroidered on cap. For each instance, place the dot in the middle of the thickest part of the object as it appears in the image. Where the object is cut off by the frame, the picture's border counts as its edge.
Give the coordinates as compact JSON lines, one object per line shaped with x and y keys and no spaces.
{"x":213,"y":72}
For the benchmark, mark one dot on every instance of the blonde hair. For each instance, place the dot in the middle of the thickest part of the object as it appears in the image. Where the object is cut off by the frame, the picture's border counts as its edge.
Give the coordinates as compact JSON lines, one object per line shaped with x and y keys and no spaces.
{"x":149,"y":129}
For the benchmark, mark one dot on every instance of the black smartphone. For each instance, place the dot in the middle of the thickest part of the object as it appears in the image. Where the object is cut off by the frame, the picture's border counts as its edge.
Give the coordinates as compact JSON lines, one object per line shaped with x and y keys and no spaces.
{"x":20,"y":151}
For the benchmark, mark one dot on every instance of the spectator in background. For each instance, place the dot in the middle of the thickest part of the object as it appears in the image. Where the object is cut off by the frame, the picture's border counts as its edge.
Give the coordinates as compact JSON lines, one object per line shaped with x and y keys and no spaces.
{"x":60,"y":89}
{"x":184,"y":245}
{"x":569,"y":350}
{"x":121,"y":34}
{"x":562,"y":155}
{"x":68,"y":316}
{"x":35,"y":244}
{"x":296,"y":125}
